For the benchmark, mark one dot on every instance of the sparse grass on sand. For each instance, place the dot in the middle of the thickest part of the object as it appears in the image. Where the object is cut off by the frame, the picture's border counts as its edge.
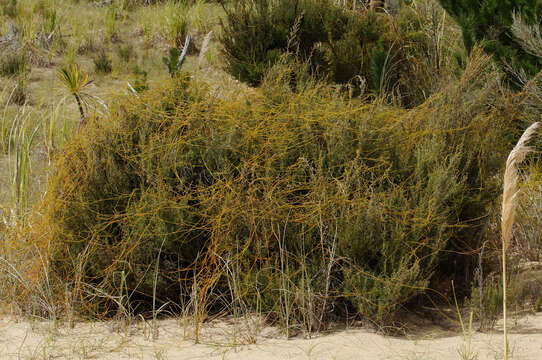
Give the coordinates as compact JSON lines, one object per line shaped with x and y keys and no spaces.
{"x":24,"y":340}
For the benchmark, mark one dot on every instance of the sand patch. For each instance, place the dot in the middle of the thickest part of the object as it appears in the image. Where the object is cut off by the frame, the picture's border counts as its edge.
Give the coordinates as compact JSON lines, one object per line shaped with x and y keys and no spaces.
{"x":225,"y":340}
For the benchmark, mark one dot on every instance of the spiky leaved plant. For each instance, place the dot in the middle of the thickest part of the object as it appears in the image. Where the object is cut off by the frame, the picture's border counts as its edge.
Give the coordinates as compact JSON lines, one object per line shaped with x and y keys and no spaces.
{"x":509,"y":205}
{"x":75,"y":80}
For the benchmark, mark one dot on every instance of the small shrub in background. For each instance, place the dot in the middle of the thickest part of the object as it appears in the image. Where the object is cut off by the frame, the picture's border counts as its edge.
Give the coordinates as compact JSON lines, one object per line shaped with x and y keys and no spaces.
{"x":126,"y":53}
{"x":175,"y":59}
{"x":255,"y":34}
{"x":171,"y":61}
{"x":489,"y":23}
{"x":397,"y":57}
{"x":13,"y":64}
{"x":10,"y":8}
{"x":102,"y":63}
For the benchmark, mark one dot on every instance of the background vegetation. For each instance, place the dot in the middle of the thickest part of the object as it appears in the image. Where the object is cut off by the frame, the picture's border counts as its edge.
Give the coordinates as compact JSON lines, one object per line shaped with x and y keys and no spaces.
{"x":490,"y":23}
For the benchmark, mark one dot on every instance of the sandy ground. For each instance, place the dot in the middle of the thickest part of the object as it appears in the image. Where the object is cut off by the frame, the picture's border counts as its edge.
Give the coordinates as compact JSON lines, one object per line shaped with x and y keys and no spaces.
{"x":225,"y":340}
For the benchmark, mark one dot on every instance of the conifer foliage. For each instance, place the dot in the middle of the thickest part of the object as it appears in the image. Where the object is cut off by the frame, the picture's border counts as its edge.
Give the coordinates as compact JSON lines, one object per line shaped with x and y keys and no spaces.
{"x":489,"y":21}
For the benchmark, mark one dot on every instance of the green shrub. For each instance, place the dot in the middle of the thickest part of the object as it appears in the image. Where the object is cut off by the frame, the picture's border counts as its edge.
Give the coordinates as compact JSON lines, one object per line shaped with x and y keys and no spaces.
{"x":175,"y":59}
{"x":102,"y":63}
{"x":140,"y":79}
{"x":126,"y":53}
{"x":489,"y":23}
{"x":256,"y":33}
{"x":280,"y":196}
{"x":13,"y":64}
{"x":395,"y":57}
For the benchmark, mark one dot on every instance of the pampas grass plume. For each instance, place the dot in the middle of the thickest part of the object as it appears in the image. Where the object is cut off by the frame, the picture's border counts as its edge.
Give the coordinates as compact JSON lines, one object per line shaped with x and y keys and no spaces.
{"x":204,"y":47}
{"x":509,"y":205}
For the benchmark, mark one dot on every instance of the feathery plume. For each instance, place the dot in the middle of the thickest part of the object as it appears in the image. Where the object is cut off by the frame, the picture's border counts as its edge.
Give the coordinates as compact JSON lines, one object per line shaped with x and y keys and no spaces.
{"x":204,"y":48}
{"x":509,"y":205}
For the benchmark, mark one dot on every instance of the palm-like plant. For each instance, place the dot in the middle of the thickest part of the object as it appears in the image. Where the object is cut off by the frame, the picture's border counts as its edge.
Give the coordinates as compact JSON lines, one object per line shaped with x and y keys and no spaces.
{"x":75,"y":81}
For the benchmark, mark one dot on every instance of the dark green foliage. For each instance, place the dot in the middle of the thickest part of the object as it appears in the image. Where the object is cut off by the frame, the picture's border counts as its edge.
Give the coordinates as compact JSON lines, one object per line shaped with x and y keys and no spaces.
{"x":337,"y":43}
{"x":126,"y":53}
{"x":395,"y":57}
{"x":140,"y":79}
{"x":13,"y":64}
{"x":171,"y":61}
{"x":102,"y":63}
{"x":488,"y":22}
{"x":175,"y":60}
{"x":380,"y":60}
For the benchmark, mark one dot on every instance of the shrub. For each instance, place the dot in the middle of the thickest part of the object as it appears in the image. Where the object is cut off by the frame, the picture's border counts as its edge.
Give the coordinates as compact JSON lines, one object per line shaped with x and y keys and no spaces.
{"x":393,"y":56}
{"x":175,"y":59}
{"x":126,"y":53}
{"x":13,"y":64}
{"x":102,"y":63}
{"x":489,"y":23}
{"x":289,"y":196}
{"x":256,"y":33}
{"x":140,"y":79}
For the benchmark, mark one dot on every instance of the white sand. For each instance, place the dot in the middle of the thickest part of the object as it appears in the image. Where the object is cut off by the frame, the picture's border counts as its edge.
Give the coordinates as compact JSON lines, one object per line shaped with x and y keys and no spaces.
{"x":100,"y":340}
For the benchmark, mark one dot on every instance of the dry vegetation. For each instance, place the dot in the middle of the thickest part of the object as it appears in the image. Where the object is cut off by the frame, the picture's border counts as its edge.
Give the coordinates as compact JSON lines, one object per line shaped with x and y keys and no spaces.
{"x":139,"y":179}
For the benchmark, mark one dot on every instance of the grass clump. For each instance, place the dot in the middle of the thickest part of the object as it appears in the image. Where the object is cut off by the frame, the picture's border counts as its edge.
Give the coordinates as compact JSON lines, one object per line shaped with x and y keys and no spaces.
{"x":13,"y":64}
{"x":102,"y":63}
{"x":126,"y":53}
{"x":139,"y":76}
